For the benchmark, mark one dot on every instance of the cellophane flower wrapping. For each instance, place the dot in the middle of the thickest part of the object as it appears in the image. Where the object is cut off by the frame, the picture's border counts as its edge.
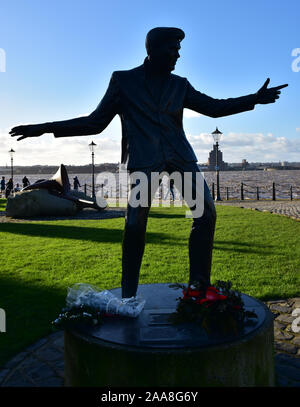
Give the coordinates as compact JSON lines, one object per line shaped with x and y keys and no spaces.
{"x":88,"y":295}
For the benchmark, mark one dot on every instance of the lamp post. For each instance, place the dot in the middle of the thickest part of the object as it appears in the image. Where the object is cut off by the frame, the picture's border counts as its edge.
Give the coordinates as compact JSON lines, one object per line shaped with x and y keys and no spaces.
{"x":11,"y":152}
{"x":92,"y":146}
{"x":217,"y":135}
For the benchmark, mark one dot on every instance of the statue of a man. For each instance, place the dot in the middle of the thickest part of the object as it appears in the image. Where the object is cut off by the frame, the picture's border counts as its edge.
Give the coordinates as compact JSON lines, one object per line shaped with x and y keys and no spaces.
{"x":150,"y":100}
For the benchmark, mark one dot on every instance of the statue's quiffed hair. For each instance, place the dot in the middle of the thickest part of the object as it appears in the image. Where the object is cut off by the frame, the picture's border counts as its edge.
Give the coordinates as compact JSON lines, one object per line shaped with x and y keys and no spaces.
{"x":161,"y":34}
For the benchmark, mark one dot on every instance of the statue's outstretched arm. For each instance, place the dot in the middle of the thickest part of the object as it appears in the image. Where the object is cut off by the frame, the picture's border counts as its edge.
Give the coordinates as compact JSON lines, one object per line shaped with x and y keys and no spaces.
{"x":209,"y":106}
{"x":95,"y":123}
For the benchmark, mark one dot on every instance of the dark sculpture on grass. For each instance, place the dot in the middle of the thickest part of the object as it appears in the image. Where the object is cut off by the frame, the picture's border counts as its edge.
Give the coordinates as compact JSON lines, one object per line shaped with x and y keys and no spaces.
{"x":50,"y":197}
{"x":150,"y":100}
{"x":59,"y":186}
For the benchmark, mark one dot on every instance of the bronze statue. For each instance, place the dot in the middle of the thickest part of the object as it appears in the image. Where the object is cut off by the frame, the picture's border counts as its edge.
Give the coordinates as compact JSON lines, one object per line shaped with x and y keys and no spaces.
{"x":150,"y":100}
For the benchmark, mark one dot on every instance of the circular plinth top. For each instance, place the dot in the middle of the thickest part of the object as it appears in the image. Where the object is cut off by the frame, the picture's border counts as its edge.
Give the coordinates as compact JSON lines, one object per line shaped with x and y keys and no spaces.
{"x":151,"y":329}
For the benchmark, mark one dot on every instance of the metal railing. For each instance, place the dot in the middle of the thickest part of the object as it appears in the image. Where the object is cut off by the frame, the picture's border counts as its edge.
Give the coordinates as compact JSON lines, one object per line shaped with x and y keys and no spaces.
{"x":243,"y":191}
{"x":240,"y":191}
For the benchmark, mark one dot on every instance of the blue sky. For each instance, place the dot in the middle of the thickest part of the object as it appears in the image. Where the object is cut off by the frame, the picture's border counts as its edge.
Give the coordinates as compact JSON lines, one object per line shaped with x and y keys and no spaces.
{"x":60,"y":55}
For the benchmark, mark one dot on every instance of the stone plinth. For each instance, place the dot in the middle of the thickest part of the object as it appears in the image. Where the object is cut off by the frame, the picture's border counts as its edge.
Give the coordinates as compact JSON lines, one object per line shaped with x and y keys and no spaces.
{"x":148,"y":351}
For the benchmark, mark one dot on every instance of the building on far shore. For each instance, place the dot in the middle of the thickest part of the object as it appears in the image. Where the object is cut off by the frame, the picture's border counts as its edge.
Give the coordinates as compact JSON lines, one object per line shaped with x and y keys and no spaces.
{"x":212,"y":160}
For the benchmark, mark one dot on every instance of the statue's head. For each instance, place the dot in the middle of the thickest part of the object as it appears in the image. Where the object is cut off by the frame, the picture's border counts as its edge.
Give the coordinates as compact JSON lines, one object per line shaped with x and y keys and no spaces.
{"x":162,"y":45}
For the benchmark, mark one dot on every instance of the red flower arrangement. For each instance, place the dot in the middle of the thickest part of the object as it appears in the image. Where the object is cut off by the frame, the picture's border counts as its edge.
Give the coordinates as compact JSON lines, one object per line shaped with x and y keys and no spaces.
{"x":216,"y":308}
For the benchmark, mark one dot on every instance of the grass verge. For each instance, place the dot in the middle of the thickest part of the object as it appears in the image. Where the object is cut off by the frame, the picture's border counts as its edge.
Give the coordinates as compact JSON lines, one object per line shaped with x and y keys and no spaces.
{"x":258,"y":252}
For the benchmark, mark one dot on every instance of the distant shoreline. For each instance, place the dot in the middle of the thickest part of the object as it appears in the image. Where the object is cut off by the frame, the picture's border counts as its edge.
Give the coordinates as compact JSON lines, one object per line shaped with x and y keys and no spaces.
{"x":113,"y":168}
{"x":51,"y":169}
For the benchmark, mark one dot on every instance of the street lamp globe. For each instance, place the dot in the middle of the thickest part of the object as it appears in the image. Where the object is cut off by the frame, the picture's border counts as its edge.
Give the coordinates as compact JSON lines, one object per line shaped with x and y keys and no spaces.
{"x":217,"y":135}
{"x":92,"y":146}
{"x":11,"y":152}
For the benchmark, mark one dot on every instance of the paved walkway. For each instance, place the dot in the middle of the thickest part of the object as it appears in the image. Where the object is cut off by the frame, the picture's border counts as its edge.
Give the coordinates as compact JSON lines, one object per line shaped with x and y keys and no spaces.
{"x":287,"y":208}
{"x":42,"y":364}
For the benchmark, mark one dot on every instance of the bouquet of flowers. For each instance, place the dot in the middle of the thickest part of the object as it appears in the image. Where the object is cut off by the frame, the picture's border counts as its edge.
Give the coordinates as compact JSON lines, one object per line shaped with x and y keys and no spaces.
{"x":218,"y":308}
{"x":77,"y":315}
{"x":86,"y":304}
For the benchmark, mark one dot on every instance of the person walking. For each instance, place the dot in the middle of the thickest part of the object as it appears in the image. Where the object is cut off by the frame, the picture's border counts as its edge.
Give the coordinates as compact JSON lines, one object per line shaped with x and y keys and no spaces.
{"x":9,"y":188}
{"x":172,"y":189}
{"x":25,"y":182}
{"x":2,"y":186}
{"x":76,"y":183}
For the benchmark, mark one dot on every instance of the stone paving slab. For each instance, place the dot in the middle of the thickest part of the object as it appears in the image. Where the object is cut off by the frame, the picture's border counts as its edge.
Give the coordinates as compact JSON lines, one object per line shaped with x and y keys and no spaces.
{"x":42,"y":364}
{"x":286,"y":208}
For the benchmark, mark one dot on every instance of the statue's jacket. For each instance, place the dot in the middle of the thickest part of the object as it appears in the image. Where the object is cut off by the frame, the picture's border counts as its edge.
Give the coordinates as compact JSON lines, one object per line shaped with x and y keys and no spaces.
{"x":145,"y":123}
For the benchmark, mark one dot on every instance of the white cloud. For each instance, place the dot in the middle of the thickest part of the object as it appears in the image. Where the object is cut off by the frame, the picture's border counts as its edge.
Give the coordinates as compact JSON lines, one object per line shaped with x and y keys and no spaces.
{"x":188,"y":114}
{"x":297,"y":128}
{"x":47,"y":150}
{"x":257,"y":147}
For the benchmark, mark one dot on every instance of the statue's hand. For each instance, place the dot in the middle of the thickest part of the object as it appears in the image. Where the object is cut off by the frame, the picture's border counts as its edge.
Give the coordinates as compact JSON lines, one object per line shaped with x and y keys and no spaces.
{"x":265,"y":95}
{"x":30,"y":130}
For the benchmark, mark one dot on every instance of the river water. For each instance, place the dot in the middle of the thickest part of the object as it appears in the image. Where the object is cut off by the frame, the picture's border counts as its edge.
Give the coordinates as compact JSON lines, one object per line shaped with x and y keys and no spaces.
{"x":232,"y":180}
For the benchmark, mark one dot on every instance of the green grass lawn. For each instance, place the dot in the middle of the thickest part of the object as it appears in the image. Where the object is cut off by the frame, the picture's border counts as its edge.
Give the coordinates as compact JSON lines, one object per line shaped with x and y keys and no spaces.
{"x":258,"y":252}
{"x":2,"y":204}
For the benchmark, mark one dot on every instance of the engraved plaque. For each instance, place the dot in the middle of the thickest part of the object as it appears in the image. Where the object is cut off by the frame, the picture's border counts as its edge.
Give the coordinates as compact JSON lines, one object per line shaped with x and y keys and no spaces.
{"x":159,"y":319}
{"x":162,"y":334}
